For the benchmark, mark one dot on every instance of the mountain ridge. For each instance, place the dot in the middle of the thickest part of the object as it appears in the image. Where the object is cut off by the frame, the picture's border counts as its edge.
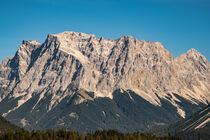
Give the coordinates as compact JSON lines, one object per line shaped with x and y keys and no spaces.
{"x":194,"y":127}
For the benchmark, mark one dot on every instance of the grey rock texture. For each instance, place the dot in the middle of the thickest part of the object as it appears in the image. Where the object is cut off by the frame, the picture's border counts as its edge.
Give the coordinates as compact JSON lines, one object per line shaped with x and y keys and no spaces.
{"x":69,"y":63}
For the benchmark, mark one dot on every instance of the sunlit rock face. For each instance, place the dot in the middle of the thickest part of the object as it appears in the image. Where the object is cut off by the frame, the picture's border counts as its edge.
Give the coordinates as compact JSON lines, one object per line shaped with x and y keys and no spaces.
{"x":73,"y":64}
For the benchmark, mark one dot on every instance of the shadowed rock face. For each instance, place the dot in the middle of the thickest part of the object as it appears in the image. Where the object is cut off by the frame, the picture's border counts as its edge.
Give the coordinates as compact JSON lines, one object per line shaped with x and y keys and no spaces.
{"x":194,"y":127}
{"x":78,"y":65}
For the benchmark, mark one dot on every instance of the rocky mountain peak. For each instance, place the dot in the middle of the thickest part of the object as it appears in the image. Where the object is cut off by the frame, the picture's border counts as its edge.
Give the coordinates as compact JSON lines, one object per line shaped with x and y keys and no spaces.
{"x":5,"y":61}
{"x":193,"y":58}
{"x":73,"y":36}
{"x":194,"y":54}
{"x":31,"y":42}
{"x":192,"y":50}
{"x":125,"y":38}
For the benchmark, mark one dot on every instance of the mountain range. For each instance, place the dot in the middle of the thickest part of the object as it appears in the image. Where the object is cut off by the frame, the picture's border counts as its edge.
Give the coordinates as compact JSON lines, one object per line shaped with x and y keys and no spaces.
{"x":80,"y":82}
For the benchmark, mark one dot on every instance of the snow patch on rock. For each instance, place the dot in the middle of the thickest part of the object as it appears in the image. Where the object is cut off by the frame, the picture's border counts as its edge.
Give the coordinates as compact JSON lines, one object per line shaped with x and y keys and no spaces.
{"x":23,"y":122}
{"x":74,"y":115}
{"x":103,"y":113}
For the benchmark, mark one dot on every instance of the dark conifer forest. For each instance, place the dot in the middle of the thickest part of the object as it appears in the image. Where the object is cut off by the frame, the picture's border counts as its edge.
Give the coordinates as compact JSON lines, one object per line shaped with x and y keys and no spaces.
{"x":63,"y":134}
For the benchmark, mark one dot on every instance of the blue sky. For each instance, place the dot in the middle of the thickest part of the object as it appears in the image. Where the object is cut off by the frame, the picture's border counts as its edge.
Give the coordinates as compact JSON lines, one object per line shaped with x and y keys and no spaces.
{"x":178,"y":24}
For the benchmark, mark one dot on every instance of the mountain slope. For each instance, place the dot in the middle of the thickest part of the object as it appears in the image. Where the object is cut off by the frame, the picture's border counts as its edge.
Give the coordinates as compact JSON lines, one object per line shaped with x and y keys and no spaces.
{"x":53,"y":84}
{"x":198,"y":120}
{"x":6,"y":126}
{"x":195,"y":127}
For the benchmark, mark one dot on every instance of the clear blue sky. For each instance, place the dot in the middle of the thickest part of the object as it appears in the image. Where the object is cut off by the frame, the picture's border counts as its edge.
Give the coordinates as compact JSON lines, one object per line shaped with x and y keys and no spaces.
{"x":178,"y":24}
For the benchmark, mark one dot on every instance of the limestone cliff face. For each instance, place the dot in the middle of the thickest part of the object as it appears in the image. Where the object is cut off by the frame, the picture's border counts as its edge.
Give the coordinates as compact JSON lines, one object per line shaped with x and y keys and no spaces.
{"x":69,"y":62}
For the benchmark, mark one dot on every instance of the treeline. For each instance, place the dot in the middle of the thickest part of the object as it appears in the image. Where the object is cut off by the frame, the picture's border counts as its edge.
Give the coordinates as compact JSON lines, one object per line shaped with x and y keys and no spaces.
{"x":6,"y":126}
{"x":63,"y":134}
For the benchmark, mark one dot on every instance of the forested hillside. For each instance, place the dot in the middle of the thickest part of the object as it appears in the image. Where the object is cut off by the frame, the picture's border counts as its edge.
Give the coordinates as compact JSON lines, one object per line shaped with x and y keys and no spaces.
{"x":6,"y":126}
